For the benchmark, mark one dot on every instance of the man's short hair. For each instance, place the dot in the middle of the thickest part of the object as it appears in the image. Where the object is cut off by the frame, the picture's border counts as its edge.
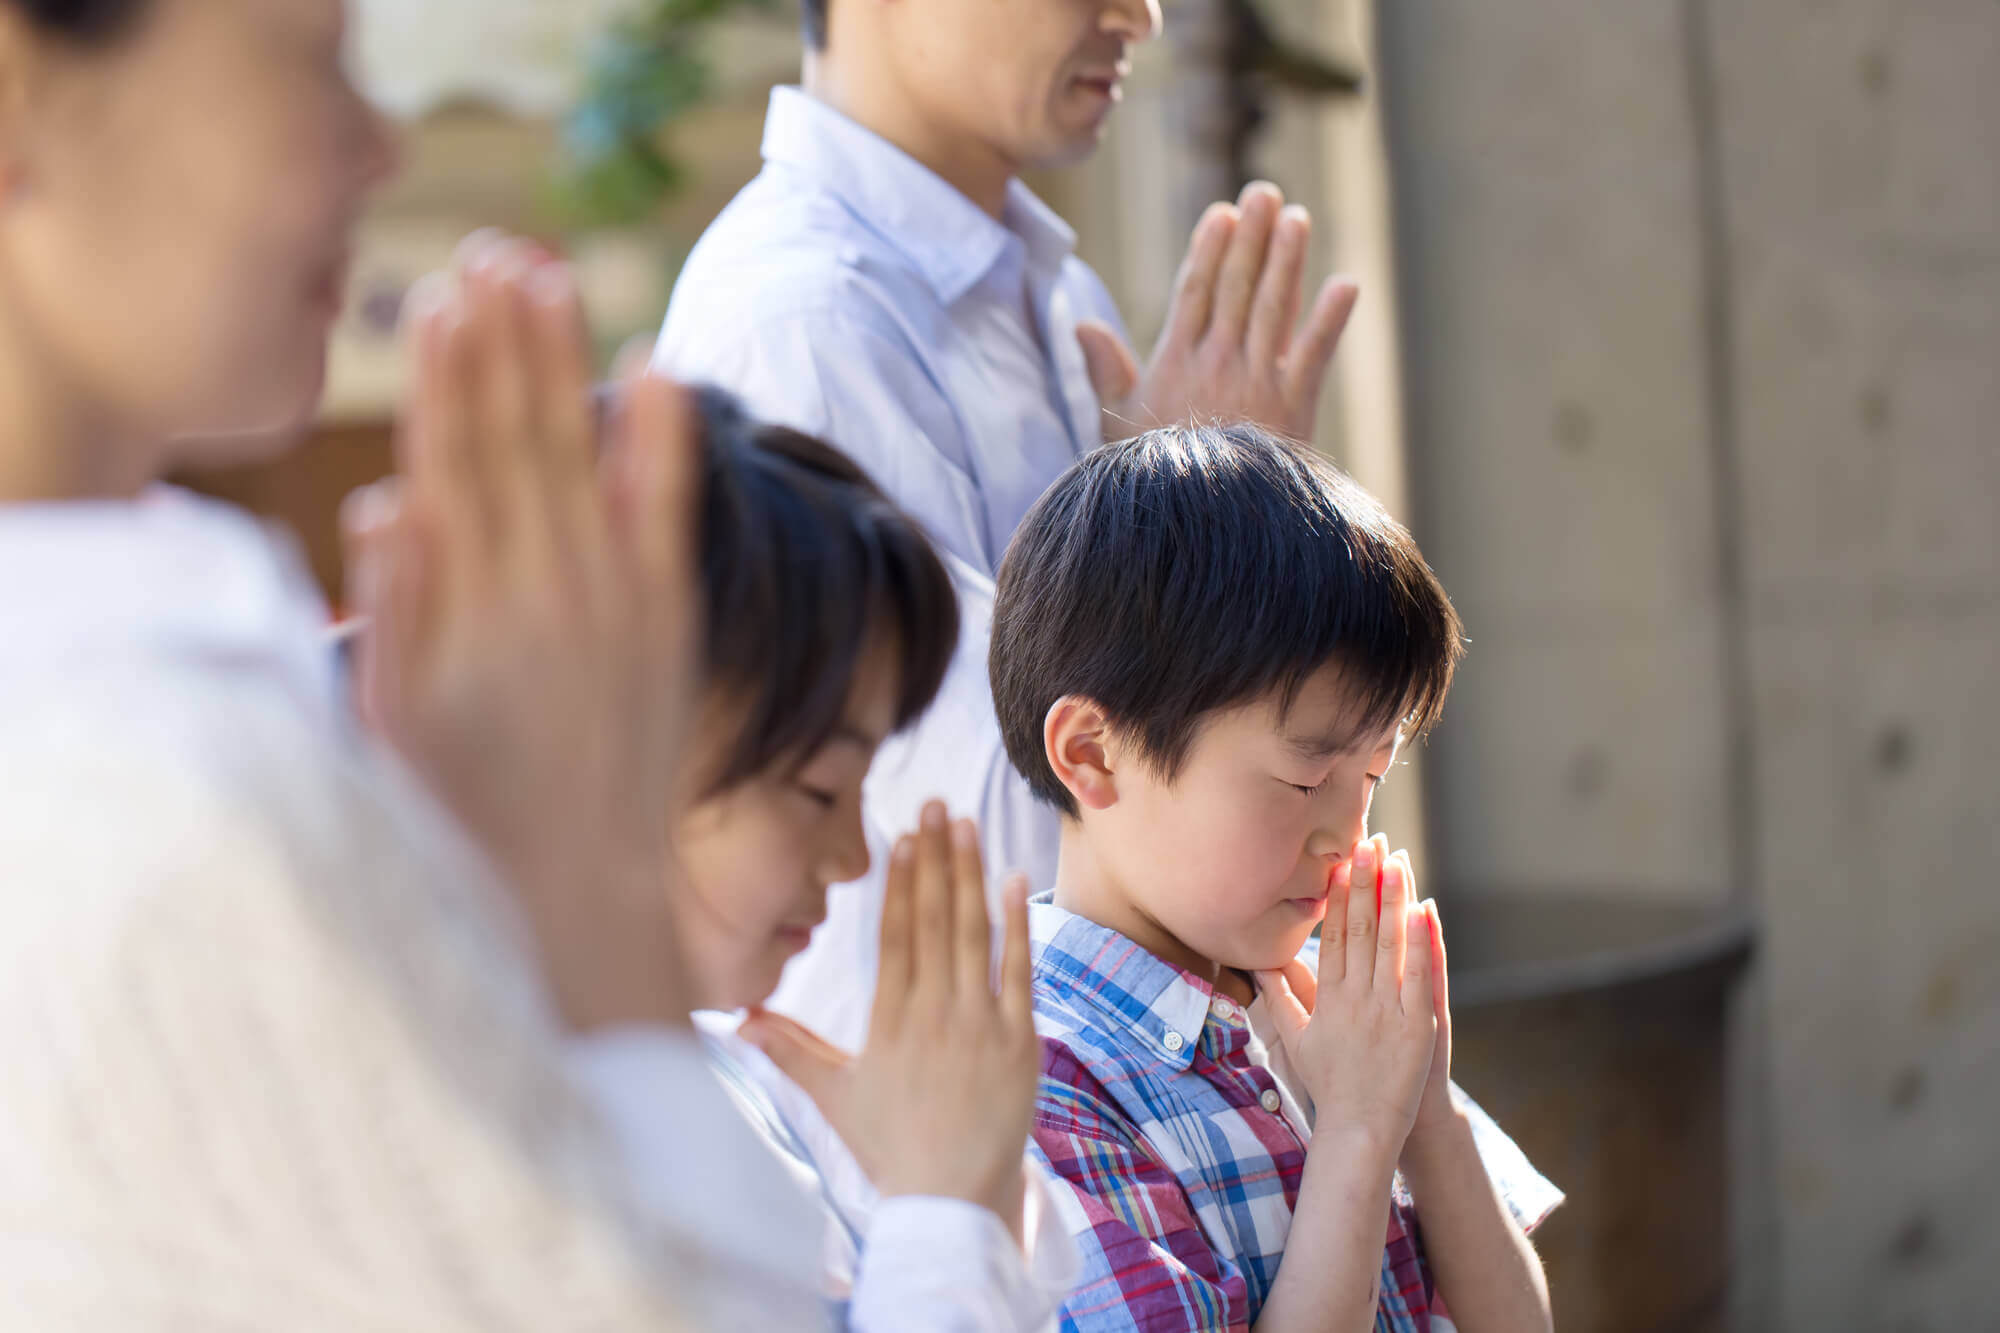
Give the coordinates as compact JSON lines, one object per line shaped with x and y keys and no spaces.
{"x":1197,"y":568}
{"x":804,"y":564}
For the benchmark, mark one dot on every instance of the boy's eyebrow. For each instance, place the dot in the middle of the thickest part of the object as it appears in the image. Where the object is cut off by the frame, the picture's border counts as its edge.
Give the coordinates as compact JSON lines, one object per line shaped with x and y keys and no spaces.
{"x":1313,"y":749}
{"x":1339,"y":739}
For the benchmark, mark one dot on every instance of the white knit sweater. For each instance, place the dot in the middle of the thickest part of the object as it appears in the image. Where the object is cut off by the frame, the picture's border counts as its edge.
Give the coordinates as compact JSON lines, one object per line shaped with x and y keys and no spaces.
{"x":272,"y":1052}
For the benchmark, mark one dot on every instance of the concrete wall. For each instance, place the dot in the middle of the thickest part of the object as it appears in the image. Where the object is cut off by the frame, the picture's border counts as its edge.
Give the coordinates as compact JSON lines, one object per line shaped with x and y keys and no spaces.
{"x":1703,"y":310}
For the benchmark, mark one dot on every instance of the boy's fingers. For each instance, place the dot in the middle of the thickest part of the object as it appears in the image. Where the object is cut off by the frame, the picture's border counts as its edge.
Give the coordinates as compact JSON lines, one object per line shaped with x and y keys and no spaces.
{"x":1286,"y":1010}
{"x":1362,"y":906}
{"x":892,"y":974}
{"x":1194,"y":286}
{"x":1417,"y":997}
{"x":1017,"y":1001}
{"x":1276,"y":308}
{"x":1303,"y":983}
{"x":1393,"y":944}
{"x":974,"y":929}
{"x":1440,"y":980}
{"x":1333,"y":927}
{"x":932,"y":964}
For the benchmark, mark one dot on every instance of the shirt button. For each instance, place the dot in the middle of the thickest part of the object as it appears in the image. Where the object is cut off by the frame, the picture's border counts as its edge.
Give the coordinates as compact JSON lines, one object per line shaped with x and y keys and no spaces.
{"x":1222,"y":1008}
{"x":1173,"y":1041}
{"x":1271,"y":1100}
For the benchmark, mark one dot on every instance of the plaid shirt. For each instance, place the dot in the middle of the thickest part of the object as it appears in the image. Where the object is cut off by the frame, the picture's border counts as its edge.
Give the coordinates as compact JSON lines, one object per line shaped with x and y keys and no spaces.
{"x":1182,"y":1151}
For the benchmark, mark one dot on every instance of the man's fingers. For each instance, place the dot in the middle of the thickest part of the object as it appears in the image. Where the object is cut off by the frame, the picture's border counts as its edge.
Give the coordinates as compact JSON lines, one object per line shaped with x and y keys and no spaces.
{"x":1243,"y":265}
{"x":1310,"y":353}
{"x":1114,"y":371}
{"x":1193,"y":300}
{"x":1362,"y":891}
{"x":1393,"y":946}
{"x":932,"y":965}
{"x":893,"y":966}
{"x":973,"y":978}
{"x":1276,"y":308}
{"x":804,"y":1057}
{"x":1017,"y":1000}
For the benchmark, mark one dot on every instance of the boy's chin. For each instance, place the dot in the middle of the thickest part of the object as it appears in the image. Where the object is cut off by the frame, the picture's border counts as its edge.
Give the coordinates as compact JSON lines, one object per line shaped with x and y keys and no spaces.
{"x":1268,"y":952}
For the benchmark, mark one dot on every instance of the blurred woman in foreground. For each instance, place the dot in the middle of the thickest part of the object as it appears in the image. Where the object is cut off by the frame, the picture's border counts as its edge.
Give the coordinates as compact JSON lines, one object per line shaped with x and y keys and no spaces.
{"x":283,"y":1018}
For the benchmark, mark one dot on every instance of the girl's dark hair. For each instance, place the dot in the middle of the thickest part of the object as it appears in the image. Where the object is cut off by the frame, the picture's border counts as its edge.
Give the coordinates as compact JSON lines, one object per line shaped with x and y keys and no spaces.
{"x":804,"y":563}
{"x":82,"y":20}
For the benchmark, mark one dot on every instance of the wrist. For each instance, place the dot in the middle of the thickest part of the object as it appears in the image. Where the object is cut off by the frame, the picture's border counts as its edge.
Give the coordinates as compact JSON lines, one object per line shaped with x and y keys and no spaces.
{"x":1435,"y":1140}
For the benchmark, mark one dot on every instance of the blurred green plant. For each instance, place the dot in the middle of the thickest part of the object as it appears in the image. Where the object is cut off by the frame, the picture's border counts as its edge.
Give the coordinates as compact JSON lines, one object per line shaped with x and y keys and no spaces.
{"x":646,"y":69}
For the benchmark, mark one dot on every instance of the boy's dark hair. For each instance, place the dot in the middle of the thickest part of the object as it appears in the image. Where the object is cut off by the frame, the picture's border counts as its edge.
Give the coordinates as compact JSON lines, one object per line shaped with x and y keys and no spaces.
{"x":804,"y":562}
{"x":1193,"y":569}
{"x":812,"y":23}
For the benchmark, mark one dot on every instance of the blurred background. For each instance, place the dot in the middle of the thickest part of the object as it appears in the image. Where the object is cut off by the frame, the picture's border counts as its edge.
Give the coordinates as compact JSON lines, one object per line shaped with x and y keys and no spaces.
{"x":1680,"y":349}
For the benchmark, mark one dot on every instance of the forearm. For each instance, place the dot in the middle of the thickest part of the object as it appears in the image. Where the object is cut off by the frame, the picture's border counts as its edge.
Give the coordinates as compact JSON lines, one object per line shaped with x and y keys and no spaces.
{"x":1485,"y":1266}
{"x":1327,"y":1282}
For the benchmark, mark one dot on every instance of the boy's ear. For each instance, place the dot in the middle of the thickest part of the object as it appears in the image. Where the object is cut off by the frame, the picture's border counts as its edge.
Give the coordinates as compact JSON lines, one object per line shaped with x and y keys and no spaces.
{"x":1076,"y":739}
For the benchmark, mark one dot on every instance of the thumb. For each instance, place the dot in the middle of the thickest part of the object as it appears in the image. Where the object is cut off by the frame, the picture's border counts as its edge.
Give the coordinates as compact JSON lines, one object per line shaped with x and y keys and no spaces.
{"x":1114,"y":371}
{"x":801,"y":1055}
{"x":1287,"y":1012}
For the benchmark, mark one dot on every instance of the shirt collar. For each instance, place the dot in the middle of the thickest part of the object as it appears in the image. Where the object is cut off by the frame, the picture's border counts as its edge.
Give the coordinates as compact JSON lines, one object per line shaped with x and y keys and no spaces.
{"x":1163,"y":1007}
{"x":951,"y":240}
{"x":168,"y":574}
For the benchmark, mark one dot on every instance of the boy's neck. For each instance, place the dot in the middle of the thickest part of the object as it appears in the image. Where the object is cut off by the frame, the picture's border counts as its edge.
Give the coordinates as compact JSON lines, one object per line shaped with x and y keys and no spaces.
{"x":1089,"y":888}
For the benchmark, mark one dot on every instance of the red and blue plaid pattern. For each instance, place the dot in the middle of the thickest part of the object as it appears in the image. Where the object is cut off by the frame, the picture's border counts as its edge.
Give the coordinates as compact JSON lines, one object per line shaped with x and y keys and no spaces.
{"x":1181,"y":1153}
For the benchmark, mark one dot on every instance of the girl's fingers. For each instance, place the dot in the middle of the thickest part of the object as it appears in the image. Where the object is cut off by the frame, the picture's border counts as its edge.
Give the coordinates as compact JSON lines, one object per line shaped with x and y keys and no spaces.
{"x":933,"y":966}
{"x":1362,"y":905}
{"x":893,"y":967}
{"x":1394,"y":942}
{"x":974,"y":934}
{"x":1017,"y":1001}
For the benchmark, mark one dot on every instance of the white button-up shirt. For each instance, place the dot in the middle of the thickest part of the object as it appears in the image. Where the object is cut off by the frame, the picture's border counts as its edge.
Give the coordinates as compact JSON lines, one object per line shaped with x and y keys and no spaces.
{"x":851,"y":293}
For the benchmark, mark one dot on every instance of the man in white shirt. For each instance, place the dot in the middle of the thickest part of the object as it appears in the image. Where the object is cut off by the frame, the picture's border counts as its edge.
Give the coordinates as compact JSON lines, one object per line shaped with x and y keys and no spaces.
{"x":888,"y":284}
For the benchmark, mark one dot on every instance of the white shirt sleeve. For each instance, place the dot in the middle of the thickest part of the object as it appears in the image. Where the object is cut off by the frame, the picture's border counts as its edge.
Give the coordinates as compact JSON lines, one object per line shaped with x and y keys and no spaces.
{"x":927,"y":1265}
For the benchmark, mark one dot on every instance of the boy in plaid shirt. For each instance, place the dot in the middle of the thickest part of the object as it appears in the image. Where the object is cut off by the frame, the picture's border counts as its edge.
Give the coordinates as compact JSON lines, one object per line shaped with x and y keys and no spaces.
{"x":1208,"y":645}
